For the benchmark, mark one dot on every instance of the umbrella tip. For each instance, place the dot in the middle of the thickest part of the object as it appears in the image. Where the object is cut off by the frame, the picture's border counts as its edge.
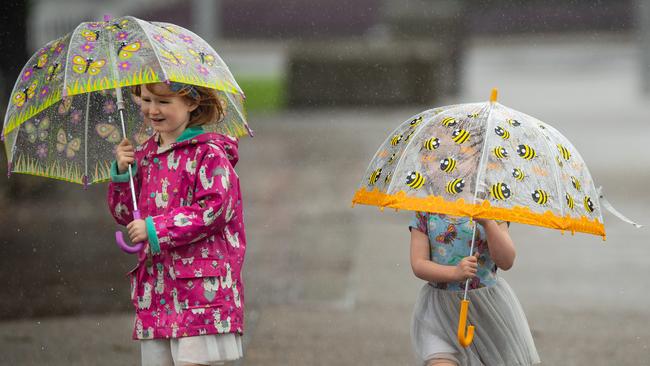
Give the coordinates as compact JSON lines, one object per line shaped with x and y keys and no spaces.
{"x":493,"y":95}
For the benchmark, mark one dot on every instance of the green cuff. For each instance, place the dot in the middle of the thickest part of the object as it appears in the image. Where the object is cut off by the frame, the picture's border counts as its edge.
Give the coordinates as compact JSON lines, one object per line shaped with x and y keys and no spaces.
{"x":121,"y":178}
{"x":153,"y":236}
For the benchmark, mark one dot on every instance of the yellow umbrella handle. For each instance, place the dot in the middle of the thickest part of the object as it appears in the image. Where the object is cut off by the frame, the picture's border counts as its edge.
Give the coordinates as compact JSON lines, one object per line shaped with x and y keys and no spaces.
{"x":464,"y":338}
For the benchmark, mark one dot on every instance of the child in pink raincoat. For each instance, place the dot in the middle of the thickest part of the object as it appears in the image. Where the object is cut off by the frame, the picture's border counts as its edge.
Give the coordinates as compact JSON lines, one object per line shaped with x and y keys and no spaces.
{"x":187,"y":287}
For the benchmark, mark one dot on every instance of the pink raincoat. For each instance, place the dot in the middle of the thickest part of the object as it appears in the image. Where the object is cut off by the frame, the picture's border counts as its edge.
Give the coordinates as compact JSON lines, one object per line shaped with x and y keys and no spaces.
{"x":190,"y":196}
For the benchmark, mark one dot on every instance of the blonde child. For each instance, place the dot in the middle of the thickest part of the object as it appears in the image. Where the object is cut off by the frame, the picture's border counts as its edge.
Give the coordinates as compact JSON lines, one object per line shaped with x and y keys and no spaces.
{"x":187,"y":288}
{"x":439,"y":255}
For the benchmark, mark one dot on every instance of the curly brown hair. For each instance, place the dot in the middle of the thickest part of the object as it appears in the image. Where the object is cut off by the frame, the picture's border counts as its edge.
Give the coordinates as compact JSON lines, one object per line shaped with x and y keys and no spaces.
{"x":209,"y":110}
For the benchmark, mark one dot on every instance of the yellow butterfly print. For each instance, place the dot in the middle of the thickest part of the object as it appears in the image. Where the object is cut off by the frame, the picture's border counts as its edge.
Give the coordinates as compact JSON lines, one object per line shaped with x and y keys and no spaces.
{"x":126,"y":50}
{"x":109,"y":132}
{"x":70,"y":147}
{"x":170,"y":29}
{"x":117,"y":26}
{"x":52,"y":71}
{"x":82,"y":66}
{"x":89,"y":35}
{"x":202,"y":57}
{"x":38,"y":132}
{"x":65,"y":105}
{"x":173,"y":57}
{"x":42,"y":60}
{"x":28,"y":93}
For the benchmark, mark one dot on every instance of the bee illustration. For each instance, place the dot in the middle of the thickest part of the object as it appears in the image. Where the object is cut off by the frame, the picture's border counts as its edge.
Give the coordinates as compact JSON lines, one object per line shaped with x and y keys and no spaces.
{"x":415,"y":180}
{"x":526,"y":152}
{"x":504,"y":134}
{"x":518,"y":174}
{"x":500,"y":191}
{"x":392,"y":158}
{"x":396,"y":140}
{"x":415,"y":122}
{"x":513,"y":122}
{"x":449,"y":122}
{"x":459,"y":136}
{"x":576,"y":183}
{"x":388,"y":178}
{"x":455,"y":186}
{"x":447,"y":165}
{"x":569,"y":201}
{"x":473,"y":115}
{"x":540,"y":196}
{"x":374,"y":177}
{"x":566,"y":154}
{"x":559,"y":161}
{"x":432,"y":143}
{"x":589,"y":206}
{"x":500,"y":152}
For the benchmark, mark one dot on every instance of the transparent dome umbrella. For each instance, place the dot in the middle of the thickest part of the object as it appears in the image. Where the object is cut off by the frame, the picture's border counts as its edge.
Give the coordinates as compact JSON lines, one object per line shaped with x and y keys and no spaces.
{"x":72,"y":105}
{"x":484,"y":160}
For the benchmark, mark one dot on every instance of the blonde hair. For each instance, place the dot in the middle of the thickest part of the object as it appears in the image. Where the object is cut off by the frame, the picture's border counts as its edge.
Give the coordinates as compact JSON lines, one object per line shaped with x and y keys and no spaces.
{"x":209,"y":109}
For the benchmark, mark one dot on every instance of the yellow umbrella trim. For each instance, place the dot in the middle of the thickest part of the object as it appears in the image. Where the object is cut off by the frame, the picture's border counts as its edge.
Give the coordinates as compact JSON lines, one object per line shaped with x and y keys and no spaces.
{"x":438,"y":204}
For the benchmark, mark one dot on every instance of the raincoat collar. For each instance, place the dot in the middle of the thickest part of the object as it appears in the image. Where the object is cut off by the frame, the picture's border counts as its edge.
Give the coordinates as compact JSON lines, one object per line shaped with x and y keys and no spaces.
{"x":197,"y":135}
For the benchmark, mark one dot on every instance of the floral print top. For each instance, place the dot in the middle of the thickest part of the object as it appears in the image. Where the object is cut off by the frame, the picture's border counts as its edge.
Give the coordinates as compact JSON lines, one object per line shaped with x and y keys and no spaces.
{"x":450,"y":239}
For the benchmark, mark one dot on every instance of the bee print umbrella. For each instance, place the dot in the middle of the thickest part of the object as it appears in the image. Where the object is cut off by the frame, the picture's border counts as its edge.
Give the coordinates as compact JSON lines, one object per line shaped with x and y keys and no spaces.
{"x":484,"y":160}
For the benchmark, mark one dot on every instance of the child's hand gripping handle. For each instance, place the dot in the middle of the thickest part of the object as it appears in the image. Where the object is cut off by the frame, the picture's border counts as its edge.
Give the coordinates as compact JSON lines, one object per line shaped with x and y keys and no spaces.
{"x":119,"y":237}
{"x":465,"y":336}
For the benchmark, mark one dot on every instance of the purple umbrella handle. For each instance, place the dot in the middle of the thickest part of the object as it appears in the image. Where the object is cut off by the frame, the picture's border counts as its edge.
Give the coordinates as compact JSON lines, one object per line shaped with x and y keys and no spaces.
{"x":119,"y":237}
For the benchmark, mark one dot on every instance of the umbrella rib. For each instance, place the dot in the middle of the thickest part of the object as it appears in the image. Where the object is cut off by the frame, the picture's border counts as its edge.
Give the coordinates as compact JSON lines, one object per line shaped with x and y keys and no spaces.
{"x":67,"y":58}
{"x":86,"y":137}
{"x":152,"y":46}
{"x":481,"y":162}
{"x":555,"y":171}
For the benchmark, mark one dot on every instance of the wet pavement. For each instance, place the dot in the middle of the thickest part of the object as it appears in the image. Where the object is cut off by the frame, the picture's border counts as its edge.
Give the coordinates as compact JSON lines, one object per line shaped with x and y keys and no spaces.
{"x":329,"y":284}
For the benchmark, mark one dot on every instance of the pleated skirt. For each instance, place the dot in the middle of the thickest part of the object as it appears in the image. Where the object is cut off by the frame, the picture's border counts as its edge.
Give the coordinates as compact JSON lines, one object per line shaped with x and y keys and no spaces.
{"x":501,"y":336}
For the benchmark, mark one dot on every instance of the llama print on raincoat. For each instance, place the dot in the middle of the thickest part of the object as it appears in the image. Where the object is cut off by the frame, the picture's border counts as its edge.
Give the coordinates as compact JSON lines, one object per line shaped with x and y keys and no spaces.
{"x":188,"y":288}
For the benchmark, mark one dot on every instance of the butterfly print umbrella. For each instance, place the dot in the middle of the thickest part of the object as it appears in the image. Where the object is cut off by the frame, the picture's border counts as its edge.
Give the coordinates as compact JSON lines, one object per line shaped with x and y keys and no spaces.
{"x":484,"y":160}
{"x":71,"y":104}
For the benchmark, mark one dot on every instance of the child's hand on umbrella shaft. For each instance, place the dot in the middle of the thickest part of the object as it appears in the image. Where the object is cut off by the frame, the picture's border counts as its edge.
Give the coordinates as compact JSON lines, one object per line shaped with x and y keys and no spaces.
{"x":124,"y":155}
{"x":137,"y":231}
{"x":466,"y":268}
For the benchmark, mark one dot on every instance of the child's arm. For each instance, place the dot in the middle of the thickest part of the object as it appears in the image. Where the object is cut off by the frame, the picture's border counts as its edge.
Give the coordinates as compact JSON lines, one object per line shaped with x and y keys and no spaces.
{"x":216,"y":199}
{"x":427,"y":270}
{"x":501,"y":247}
{"x":120,"y":201}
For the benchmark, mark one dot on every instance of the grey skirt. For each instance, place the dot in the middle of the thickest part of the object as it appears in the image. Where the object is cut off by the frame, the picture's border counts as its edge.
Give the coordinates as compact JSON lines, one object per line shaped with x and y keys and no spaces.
{"x":501,"y":335}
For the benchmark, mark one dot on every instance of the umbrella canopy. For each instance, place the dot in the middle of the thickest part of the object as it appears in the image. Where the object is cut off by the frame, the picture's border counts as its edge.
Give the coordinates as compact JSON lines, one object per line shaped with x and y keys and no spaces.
{"x":62,"y":120}
{"x":484,"y":160}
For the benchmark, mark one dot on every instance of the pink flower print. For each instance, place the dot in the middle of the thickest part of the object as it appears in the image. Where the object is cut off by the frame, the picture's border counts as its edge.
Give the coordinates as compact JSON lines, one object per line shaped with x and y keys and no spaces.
{"x":203,"y":70}
{"x":41,"y":151}
{"x":44,"y":92}
{"x":87,"y":47}
{"x":124,"y":65}
{"x":186,"y":38}
{"x":75,"y":116}
{"x":122,"y":35}
{"x":27,"y":74}
{"x":109,"y":106}
{"x":95,"y":24}
{"x":159,"y":38}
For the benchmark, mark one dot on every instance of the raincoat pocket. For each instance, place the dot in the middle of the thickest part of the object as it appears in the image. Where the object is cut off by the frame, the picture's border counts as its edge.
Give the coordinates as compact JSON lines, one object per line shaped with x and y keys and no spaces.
{"x":200,"y":282}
